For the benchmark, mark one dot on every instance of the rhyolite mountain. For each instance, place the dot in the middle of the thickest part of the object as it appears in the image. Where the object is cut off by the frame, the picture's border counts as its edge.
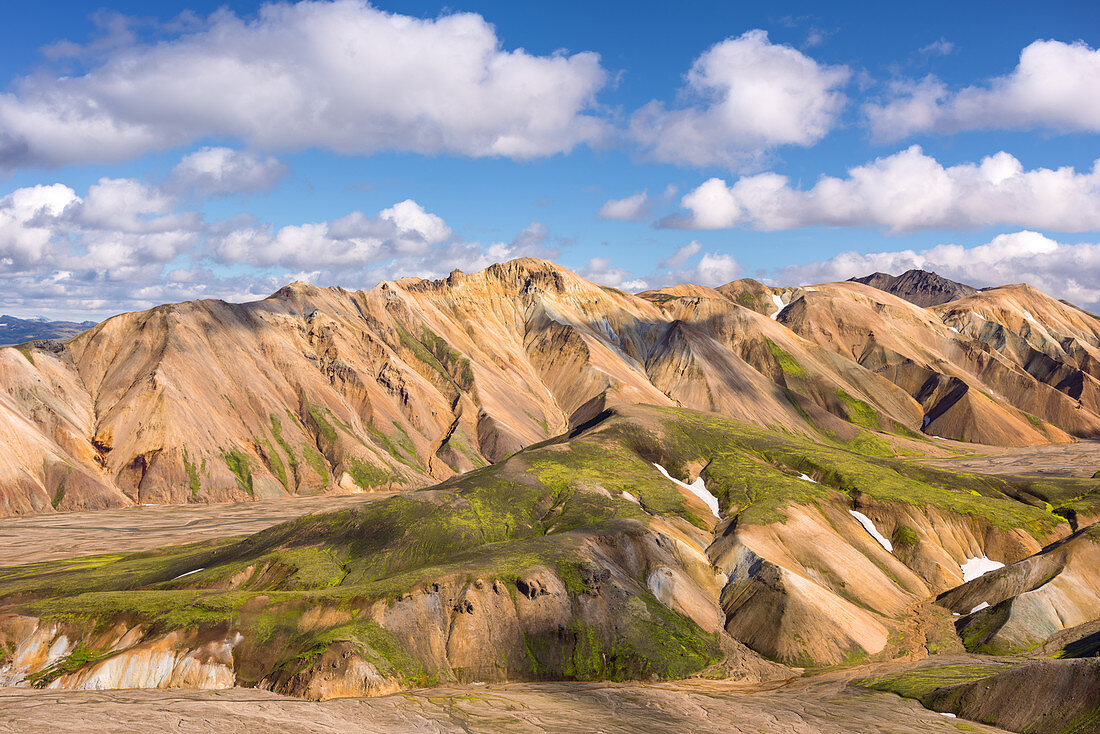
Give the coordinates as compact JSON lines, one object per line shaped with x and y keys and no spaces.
{"x":921,"y":287}
{"x":721,"y":482}
{"x":414,"y":381}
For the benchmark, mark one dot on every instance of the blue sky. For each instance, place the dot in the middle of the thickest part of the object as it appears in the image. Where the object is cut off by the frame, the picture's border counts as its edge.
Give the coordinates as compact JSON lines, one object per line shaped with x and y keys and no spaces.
{"x":220,"y":150}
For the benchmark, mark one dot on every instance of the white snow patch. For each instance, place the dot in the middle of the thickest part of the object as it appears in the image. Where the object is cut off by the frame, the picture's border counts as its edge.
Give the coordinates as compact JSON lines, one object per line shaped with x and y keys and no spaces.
{"x":980,"y":607}
{"x":807,"y":478}
{"x":189,"y":573}
{"x":954,"y":329}
{"x":632,"y":498}
{"x":1028,"y":316}
{"x":779,"y":306}
{"x":698,"y":488}
{"x":975,"y":567}
{"x":869,"y":526}
{"x":948,"y":714}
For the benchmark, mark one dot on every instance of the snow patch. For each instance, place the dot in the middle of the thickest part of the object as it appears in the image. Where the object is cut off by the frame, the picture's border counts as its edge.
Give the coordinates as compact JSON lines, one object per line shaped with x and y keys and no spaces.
{"x":869,"y":526}
{"x":779,"y":306}
{"x":948,"y":714}
{"x":697,"y":488}
{"x":189,"y":573}
{"x":807,"y":478}
{"x":975,"y":567}
{"x":980,"y":607}
{"x":632,"y":498}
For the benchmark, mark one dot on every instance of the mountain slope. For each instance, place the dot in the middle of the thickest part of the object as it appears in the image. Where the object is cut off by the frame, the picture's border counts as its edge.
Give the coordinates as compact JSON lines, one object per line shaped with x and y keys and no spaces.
{"x":577,"y":558}
{"x":321,"y":389}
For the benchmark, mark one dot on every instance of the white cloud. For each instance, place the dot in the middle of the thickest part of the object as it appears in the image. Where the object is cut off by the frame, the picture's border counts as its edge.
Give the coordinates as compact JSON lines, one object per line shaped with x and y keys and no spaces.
{"x":752,"y":95}
{"x":712,"y":269}
{"x":939,"y":47}
{"x":904,"y":192}
{"x":210,"y":172}
{"x":1055,"y":86}
{"x":603,"y":271}
{"x":408,"y":216}
{"x":633,"y":207}
{"x":681,"y":256}
{"x":1070,"y":271}
{"x":341,"y":75}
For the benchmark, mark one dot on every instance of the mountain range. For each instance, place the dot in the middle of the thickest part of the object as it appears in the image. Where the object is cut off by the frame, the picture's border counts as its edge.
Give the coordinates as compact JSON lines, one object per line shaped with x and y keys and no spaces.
{"x":17,"y":331}
{"x":731,"y":482}
{"x":411,"y":382}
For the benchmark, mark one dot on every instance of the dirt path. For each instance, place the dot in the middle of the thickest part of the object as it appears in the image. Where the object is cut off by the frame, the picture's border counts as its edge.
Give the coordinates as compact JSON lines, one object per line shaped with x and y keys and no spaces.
{"x":71,"y":534}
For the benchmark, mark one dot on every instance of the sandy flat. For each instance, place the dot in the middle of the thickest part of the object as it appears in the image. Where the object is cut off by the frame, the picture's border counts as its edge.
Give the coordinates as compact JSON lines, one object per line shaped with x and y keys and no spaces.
{"x":1079,"y":459}
{"x":826,"y":705}
{"x":71,"y":534}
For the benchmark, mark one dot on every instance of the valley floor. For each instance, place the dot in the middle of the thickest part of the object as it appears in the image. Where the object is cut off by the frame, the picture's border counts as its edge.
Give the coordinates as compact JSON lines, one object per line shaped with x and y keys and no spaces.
{"x":1078,"y":459}
{"x":825,"y":704}
{"x":52,"y":537}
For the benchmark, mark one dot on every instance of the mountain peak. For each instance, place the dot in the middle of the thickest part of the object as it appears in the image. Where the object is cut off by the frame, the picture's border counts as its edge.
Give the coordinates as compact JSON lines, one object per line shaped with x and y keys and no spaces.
{"x":922,"y":287}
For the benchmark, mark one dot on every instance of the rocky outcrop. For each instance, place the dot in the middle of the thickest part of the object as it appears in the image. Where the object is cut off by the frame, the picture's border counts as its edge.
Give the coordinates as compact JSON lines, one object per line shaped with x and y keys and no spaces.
{"x":1021,"y":606}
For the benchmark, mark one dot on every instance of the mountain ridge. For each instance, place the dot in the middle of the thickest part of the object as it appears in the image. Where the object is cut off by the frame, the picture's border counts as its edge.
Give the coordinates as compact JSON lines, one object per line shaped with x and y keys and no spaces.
{"x":922,"y":287}
{"x":322,"y":389}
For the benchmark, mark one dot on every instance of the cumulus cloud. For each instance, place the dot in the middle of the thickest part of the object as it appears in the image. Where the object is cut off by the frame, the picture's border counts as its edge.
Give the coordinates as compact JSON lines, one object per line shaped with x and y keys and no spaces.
{"x":633,"y":207}
{"x":353,"y":240}
{"x":210,"y":172}
{"x":603,"y":271}
{"x":1055,"y":86}
{"x":750,"y":95}
{"x":904,"y":192}
{"x":712,"y":269}
{"x":126,"y":244}
{"x":1070,"y":271}
{"x":338,"y":75}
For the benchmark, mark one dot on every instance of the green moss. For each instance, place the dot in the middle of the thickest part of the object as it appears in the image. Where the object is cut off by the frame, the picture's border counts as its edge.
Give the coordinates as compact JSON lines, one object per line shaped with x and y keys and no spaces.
{"x":320,"y":420}
{"x":75,"y":660}
{"x":859,"y":412}
{"x":316,"y":461}
{"x":275,"y":465}
{"x":368,"y":475}
{"x":904,"y":537}
{"x":375,"y":644}
{"x":787,"y":363}
{"x":277,"y":434}
{"x":59,"y":495}
{"x":237,"y":461}
{"x":193,"y":482}
{"x":922,"y":683}
{"x":870,"y":444}
{"x":27,"y":351}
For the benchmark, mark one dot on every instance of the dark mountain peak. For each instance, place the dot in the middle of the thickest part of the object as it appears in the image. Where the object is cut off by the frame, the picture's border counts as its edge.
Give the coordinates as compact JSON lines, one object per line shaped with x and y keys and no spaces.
{"x":921,"y":287}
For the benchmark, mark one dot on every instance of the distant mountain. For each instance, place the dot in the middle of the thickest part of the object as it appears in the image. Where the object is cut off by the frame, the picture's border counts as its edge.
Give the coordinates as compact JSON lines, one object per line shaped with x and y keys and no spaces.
{"x":918,"y":286}
{"x":17,"y":331}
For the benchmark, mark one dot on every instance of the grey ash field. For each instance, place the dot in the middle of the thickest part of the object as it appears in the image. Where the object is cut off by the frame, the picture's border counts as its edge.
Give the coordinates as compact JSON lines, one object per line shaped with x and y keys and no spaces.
{"x":507,"y":523}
